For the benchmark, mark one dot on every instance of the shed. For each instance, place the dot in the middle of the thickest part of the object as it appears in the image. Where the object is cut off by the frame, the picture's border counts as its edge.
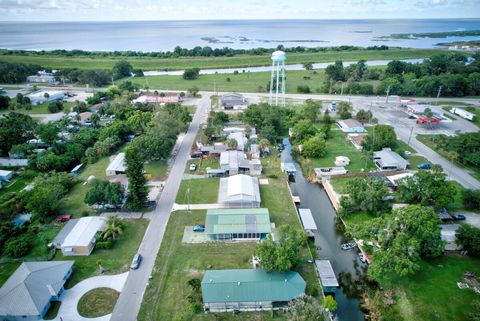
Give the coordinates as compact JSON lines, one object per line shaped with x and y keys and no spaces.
{"x":342,"y":161}
{"x":239,"y":191}
{"x":327,"y":276}
{"x":249,"y":289}
{"x":5,"y":175}
{"x":241,"y":224}
{"x":117,"y":165}
{"x":29,"y":291}
{"x":78,"y":236}
{"x":307,"y":219}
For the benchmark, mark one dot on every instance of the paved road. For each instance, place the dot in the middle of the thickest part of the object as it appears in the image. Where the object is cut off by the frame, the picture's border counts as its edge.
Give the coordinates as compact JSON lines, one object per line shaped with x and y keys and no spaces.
{"x":130,"y":299}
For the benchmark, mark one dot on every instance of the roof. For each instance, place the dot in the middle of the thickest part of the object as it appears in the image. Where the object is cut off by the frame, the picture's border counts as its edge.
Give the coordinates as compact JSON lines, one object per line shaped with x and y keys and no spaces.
{"x":389,"y":157}
{"x":117,"y":164}
{"x":31,"y":287}
{"x":238,"y":220}
{"x":288,"y":167}
{"x":85,"y":115}
{"x":326,"y":273}
{"x":84,"y":231}
{"x":5,"y":173}
{"x":60,"y":237}
{"x":349,"y":123}
{"x":41,"y":94}
{"x":239,"y":188}
{"x":307,"y":219}
{"x":233,"y":99}
{"x":168,"y":97}
{"x":251,"y":285}
{"x":239,"y":137}
{"x":394,"y":178}
{"x":76,"y":168}
{"x":233,"y":159}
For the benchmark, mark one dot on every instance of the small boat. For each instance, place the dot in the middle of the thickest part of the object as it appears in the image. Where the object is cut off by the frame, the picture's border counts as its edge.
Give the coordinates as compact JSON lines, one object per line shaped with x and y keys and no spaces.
{"x":362,"y":257}
{"x":348,"y":246}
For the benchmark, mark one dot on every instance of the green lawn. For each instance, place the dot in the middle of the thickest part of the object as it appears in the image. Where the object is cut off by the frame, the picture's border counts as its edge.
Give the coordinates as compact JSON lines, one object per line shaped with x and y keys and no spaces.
{"x":6,"y":270}
{"x":146,"y":63}
{"x":338,"y":145}
{"x":74,"y":203}
{"x":115,"y":260}
{"x":9,"y":189}
{"x":202,"y":191}
{"x":158,"y":169}
{"x":97,"y":302}
{"x":202,"y":165}
{"x":43,"y":108}
{"x":415,"y":160}
{"x":432,"y":294}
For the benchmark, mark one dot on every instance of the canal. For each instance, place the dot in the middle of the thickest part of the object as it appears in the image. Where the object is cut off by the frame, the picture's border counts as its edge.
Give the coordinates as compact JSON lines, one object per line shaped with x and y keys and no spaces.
{"x":328,"y":239}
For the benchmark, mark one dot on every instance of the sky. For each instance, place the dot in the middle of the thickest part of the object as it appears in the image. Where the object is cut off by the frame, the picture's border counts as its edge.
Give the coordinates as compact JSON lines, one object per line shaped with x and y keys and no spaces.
{"x":121,"y":10}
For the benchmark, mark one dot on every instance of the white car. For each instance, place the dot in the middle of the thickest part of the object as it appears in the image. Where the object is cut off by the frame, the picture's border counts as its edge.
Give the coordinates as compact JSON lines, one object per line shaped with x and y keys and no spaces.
{"x":193,"y":167}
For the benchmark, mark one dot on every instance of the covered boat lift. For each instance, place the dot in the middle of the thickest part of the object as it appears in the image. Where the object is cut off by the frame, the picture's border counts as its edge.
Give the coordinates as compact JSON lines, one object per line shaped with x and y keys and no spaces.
{"x":327,"y":276}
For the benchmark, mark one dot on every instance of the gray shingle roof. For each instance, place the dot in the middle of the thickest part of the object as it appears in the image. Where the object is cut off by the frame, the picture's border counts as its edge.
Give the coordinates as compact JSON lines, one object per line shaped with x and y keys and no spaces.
{"x":33,"y":284}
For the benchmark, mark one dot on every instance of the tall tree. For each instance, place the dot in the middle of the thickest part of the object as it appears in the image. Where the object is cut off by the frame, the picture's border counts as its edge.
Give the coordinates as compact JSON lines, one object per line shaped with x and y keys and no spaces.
{"x":15,"y":129}
{"x":380,"y":137}
{"x":138,"y":191}
{"x":122,"y":69}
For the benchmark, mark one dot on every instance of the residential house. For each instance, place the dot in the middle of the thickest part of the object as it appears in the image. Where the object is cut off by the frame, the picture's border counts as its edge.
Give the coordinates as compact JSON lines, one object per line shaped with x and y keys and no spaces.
{"x":351,"y":126}
{"x":239,"y":191}
{"x":240,"y":138}
{"x":29,"y":291}
{"x":233,"y":101}
{"x":388,"y":160}
{"x":117,"y":165}
{"x":78,"y":236}
{"x":357,"y":140}
{"x":249,"y":289}
{"x":85,"y":118}
{"x":238,"y":224}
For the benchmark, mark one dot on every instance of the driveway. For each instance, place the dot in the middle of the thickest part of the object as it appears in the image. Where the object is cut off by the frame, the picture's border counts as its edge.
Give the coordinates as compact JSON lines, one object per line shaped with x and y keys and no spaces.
{"x":68,"y":309}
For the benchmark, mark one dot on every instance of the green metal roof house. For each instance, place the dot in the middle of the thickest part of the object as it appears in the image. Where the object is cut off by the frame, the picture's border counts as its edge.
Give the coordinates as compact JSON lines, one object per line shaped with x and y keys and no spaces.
{"x":242,"y":224}
{"x":249,"y":289}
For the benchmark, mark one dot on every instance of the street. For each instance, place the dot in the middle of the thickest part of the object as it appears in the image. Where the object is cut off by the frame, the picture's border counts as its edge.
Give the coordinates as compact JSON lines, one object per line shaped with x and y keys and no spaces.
{"x":130,"y":299}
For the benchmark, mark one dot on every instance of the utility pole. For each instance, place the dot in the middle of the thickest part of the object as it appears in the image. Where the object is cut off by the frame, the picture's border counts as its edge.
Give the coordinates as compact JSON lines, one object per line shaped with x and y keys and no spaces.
{"x":388,"y":93}
{"x":439,"y":92}
{"x":410,"y":137}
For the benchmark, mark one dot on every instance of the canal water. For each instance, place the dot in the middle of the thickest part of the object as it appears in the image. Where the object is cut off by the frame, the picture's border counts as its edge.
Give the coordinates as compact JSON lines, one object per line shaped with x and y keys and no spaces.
{"x":328,"y":239}
{"x":320,"y":65}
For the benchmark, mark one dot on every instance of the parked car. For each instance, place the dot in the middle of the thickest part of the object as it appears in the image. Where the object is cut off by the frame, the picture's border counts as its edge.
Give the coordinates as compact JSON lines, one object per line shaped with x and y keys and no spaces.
{"x":64,"y":218}
{"x":459,"y":217}
{"x":407,"y":153}
{"x":193,"y":167}
{"x":424,"y":166}
{"x":348,"y":246}
{"x":136,"y":261}
{"x":199,"y":228}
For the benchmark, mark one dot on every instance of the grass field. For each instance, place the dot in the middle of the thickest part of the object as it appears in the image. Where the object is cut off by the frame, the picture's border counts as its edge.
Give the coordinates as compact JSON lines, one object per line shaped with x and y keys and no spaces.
{"x":202,"y":165}
{"x":432,"y":294}
{"x":53,"y":61}
{"x":115,"y":260}
{"x":43,"y":108}
{"x":338,"y":145}
{"x":157,"y":169}
{"x":202,"y":191}
{"x":243,"y":82}
{"x":97,"y":302}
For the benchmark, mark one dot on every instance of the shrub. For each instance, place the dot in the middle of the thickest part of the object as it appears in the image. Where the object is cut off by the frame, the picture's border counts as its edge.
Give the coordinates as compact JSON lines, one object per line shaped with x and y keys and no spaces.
{"x":107,"y":244}
{"x":18,"y":246}
{"x":303,"y":89}
{"x":471,"y":199}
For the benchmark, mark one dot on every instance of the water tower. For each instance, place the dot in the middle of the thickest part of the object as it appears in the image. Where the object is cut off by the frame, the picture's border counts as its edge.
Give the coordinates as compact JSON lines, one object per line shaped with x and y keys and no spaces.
{"x":277,"y":81}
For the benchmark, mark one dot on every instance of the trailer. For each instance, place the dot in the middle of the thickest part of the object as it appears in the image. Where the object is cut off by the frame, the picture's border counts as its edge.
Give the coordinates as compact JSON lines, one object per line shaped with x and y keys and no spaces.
{"x":463,"y":113}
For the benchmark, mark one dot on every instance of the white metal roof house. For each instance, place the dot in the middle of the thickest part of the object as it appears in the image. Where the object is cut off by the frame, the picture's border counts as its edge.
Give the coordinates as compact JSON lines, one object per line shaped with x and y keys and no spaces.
{"x":239,"y":191}
{"x":117,"y":165}
{"x":28,"y":293}
{"x":38,"y":97}
{"x":234,"y":162}
{"x":78,"y":236}
{"x":388,"y":160}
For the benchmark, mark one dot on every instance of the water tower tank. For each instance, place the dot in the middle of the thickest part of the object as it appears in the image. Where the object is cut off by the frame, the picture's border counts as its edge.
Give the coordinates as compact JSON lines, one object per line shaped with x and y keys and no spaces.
{"x":279,"y":56}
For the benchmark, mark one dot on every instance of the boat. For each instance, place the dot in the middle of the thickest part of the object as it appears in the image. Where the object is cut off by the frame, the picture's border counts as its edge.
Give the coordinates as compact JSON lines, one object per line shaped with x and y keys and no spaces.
{"x":348,"y":246}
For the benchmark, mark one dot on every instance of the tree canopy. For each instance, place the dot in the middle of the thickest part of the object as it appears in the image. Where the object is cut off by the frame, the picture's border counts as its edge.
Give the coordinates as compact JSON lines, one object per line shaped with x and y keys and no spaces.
{"x":381,"y":136}
{"x":366,"y":194}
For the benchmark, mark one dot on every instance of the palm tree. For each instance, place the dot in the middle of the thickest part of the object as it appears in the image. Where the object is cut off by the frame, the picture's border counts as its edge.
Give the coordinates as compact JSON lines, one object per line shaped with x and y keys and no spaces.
{"x":113,"y":228}
{"x":232,"y":143}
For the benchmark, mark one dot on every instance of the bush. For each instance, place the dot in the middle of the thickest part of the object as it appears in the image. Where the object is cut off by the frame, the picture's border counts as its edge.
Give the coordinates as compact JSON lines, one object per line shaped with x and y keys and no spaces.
{"x":315,"y":147}
{"x":469,"y":238}
{"x":191,"y":74}
{"x":105,"y":244}
{"x":303,"y":89}
{"x":55,"y":107}
{"x":18,"y":246}
{"x":471,"y":199}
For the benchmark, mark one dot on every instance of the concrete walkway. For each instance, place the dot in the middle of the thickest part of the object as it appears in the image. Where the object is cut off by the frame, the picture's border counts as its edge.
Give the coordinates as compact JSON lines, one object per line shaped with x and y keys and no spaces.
{"x":191,"y":207}
{"x":68,"y":309}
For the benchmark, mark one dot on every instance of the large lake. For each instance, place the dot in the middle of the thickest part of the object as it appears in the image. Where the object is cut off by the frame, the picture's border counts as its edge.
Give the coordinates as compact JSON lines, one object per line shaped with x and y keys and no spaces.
{"x":165,"y":35}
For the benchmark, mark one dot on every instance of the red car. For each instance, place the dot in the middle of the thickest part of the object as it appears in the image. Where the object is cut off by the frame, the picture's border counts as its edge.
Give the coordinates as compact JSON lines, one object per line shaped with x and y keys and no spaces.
{"x":64,"y":218}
